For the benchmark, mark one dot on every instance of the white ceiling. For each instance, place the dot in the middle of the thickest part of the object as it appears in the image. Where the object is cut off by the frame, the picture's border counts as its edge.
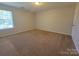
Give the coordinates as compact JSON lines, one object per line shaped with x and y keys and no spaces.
{"x":30,"y":5}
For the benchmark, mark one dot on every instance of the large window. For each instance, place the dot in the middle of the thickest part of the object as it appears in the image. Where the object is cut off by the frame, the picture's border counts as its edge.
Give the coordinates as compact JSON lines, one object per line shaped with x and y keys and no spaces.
{"x":6,"y":20}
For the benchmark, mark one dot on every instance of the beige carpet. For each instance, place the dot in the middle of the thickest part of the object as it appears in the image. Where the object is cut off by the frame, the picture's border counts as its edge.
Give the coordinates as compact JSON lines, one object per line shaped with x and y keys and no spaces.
{"x":37,"y":43}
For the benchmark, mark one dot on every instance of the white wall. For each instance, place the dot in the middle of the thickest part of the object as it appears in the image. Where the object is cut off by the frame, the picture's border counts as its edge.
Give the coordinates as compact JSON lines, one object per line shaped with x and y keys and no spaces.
{"x":23,"y":21}
{"x":57,"y":19}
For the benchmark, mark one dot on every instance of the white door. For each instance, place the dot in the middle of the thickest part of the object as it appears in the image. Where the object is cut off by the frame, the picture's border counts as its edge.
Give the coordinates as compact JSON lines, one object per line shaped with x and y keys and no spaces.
{"x":75,"y":36}
{"x":75,"y":28}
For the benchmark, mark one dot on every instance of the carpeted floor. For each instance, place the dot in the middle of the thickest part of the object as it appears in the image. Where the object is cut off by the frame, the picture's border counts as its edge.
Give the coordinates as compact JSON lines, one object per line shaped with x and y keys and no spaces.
{"x":37,"y":43}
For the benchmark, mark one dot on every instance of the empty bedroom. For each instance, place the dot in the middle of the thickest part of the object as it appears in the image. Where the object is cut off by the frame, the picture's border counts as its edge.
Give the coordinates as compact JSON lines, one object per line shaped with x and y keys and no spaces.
{"x":39,"y":29}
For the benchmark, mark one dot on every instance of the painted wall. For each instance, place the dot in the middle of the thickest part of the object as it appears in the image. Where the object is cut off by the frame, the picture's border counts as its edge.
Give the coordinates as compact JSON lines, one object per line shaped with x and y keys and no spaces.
{"x":23,"y":21}
{"x":58,"y":19}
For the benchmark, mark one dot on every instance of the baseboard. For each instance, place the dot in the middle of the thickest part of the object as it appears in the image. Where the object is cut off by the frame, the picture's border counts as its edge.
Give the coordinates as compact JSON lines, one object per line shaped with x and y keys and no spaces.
{"x":56,"y":32}
{"x":30,"y":30}
{"x":6,"y":35}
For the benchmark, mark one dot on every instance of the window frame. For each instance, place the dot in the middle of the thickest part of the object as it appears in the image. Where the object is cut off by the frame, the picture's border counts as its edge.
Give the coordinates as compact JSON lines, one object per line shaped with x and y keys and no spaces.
{"x":12,"y":20}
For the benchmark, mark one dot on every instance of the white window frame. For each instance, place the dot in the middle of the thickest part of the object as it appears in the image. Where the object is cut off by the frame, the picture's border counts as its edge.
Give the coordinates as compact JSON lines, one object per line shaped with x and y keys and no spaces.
{"x":12,"y":25}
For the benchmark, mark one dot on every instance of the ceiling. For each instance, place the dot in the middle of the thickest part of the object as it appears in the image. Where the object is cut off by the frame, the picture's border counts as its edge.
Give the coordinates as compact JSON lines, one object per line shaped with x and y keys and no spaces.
{"x":31,"y":7}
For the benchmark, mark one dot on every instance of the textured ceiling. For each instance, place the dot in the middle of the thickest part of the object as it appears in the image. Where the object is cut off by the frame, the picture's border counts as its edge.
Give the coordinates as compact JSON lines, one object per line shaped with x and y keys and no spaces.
{"x":31,"y":7}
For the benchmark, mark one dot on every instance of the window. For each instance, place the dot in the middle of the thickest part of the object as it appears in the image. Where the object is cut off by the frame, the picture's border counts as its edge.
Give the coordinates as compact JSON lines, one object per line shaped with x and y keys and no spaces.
{"x":6,"y":20}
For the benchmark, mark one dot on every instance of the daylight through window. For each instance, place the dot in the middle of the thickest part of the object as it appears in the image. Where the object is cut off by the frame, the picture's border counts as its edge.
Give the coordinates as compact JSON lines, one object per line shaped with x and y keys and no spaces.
{"x":6,"y":20}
